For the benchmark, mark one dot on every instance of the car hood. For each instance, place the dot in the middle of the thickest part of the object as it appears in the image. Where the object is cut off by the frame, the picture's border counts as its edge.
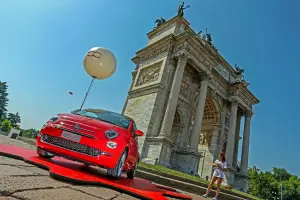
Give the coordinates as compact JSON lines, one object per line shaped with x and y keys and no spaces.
{"x":87,"y":125}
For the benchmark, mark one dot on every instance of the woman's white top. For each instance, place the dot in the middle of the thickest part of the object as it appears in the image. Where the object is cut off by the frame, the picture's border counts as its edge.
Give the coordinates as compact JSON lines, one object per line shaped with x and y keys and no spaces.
{"x":219,"y":172}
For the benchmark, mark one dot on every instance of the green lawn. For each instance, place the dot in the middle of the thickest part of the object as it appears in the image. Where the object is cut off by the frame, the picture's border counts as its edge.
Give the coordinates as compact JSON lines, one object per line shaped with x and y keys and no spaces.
{"x":187,"y":176}
{"x":172,"y":172}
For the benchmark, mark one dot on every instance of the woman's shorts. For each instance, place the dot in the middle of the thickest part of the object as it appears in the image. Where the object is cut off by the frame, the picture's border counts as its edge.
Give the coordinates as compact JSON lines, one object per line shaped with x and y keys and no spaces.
{"x":218,"y":174}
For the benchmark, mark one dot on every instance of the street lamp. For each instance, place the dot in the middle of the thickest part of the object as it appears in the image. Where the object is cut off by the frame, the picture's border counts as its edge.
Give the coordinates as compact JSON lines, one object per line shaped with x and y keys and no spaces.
{"x":100,"y":63}
{"x":281,"y":190}
{"x":274,"y":194}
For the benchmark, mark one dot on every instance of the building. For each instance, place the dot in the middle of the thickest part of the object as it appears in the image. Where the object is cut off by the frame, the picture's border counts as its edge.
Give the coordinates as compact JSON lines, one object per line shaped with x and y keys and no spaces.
{"x":189,"y":103}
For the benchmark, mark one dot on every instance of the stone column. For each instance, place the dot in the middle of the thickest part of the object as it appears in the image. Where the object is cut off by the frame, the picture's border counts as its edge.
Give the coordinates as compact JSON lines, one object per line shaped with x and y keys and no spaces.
{"x":231,"y":133}
{"x":246,"y":142}
{"x":195,"y":136}
{"x":161,"y":103}
{"x":173,"y":97}
{"x":223,"y":118}
{"x":237,"y":139}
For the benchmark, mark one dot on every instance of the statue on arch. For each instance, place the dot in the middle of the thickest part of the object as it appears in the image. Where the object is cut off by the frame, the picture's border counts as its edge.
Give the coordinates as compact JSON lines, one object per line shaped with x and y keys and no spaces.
{"x":159,"y":22}
{"x":208,"y":38}
{"x":209,"y":140}
{"x":239,"y":72}
{"x":181,"y":7}
{"x":199,"y":34}
{"x":201,"y":139}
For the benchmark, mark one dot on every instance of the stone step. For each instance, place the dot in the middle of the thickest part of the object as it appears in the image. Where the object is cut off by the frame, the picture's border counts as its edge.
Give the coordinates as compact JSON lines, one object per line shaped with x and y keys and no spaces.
{"x":185,"y":184}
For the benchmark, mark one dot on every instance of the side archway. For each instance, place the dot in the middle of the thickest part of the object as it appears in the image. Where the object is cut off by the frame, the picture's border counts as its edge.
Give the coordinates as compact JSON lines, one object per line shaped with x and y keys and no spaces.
{"x":177,"y":127}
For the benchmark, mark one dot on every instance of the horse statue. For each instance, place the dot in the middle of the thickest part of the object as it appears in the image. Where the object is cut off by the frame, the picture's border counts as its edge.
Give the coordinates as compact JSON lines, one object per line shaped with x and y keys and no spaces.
{"x":239,"y":72}
{"x":159,"y":22}
{"x":208,"y":36}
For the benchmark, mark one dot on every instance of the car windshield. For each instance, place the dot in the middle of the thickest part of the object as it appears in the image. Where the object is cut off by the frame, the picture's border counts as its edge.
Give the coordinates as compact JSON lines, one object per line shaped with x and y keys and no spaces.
{"x":106,"y":116}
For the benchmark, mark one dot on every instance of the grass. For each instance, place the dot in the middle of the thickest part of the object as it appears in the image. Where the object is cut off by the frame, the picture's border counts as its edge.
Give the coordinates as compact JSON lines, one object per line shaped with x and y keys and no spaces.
{"x":172,"y":172}
{"x":188,"y":176}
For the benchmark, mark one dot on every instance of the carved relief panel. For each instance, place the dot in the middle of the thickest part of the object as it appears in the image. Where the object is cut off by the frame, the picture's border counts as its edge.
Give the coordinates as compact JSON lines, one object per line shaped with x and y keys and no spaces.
{"x":182,"y":106}
{"x":184,"y":90}
{"x":149,"y":74}
{"x":186,"y":85}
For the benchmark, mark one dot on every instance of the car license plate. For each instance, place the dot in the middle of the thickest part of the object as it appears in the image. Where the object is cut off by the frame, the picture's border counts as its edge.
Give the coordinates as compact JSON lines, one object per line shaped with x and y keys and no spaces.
{"x":71,"y":136}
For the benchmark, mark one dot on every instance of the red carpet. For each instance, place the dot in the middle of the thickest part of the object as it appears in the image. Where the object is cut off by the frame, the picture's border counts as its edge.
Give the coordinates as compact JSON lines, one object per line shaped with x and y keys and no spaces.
{"x":76,"y":172}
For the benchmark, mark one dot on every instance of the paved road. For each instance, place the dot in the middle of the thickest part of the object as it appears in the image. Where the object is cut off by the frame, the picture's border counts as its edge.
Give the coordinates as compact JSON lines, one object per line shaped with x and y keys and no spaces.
{"x":20,"y":180}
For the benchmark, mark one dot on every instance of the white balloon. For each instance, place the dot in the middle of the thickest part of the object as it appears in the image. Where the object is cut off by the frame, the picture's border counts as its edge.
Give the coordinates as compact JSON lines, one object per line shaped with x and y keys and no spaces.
{"x":100,"y":63}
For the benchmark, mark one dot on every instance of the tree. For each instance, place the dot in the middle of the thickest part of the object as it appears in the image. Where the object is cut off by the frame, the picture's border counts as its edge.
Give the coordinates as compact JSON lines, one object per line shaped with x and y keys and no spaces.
{"x":6,"y":125}
{"x":281,"y":174}
{"x":29,"y":133}
{"x":3,"y":100}
{"x":15,"y":119}
{"x":267,"y":185}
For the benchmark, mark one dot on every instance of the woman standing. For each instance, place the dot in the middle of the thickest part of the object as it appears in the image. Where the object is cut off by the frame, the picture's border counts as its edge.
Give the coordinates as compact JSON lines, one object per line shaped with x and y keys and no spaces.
{"x":218,"y":175}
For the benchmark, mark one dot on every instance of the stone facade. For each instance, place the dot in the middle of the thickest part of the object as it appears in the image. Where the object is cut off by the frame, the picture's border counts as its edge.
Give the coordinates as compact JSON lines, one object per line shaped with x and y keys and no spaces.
{"x":189,"y":102}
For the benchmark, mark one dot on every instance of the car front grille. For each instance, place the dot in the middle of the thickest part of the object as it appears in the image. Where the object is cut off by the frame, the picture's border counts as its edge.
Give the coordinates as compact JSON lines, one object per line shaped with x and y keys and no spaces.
{"x":74,"y":146}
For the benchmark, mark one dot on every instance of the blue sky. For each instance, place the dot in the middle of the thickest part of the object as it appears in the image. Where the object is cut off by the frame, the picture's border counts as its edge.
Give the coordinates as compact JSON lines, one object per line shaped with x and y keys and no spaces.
{"x":42,"y":44}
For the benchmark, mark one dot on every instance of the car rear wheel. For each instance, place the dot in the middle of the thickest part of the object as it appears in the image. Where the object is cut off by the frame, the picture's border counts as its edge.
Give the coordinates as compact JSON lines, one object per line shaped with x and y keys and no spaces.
{"x":131,"y":173}
{"x":44,"y":154}
{"x":116,"y":172}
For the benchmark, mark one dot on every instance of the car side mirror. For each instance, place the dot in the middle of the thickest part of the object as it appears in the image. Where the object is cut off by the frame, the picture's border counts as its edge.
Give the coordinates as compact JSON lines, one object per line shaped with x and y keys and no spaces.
{"x":139,"y":133}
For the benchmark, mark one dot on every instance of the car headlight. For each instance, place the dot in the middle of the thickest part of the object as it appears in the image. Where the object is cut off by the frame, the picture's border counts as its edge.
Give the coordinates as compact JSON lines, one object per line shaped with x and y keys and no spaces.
{"x":110,"y":134}
{"x":112,"y":145}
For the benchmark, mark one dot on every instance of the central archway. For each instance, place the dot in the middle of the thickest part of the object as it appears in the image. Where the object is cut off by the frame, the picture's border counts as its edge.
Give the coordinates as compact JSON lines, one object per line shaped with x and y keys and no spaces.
{"x":211,"y":119}
{"x":209,"y":136}
{"x":211,"y":112}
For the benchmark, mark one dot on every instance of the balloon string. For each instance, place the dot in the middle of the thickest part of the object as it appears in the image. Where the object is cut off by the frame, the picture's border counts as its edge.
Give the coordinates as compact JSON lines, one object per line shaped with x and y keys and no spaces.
{"x":86,"y":94}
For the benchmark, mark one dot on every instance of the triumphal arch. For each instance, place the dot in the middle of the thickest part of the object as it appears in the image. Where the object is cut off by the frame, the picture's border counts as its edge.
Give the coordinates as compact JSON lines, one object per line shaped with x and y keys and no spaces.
{"x":189,"y":101}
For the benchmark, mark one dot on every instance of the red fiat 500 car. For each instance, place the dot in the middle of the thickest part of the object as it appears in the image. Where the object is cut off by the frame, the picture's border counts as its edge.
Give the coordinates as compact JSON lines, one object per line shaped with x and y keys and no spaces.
{"x":93,"y":137}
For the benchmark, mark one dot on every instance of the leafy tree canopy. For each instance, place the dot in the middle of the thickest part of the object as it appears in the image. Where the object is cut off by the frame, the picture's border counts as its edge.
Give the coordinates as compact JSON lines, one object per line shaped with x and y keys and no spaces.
{"x":267,"y":185}
{"x":15,"y":119}
{"x":29,"y":133}
{"x":6,"y":125}
{"x":3,"y":100}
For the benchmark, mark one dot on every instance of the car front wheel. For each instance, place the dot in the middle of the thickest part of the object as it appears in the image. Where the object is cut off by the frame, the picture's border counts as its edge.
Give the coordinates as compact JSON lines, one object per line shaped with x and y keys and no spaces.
{"x":118,"y":169}
{"x":131,"y":173}
{"x":44,"y":154}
